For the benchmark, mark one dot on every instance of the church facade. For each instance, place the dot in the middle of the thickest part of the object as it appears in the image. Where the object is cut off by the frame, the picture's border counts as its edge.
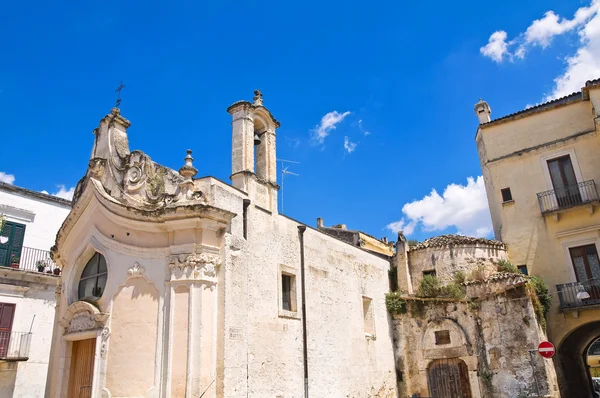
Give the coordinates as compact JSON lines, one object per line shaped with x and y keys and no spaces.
{"x":180,"y":287}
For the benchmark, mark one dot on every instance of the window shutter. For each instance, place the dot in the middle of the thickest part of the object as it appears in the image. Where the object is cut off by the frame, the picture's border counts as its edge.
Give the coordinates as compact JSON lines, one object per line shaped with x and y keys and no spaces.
{"x":7,"y":312}
{"x":18,"y":234}
{"x":5,"y":248}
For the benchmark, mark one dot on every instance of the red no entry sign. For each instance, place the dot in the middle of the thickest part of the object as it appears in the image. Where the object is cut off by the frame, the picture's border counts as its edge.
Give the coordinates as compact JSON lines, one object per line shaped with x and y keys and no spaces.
{"x":546,"y":349}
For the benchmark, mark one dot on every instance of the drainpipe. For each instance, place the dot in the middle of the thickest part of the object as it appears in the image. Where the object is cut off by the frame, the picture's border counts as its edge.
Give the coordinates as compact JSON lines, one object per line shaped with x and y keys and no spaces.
{"x":301,"y":229}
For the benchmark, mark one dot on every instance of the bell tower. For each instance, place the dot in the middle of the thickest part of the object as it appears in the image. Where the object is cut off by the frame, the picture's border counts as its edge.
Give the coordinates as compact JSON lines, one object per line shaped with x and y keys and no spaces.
{"x":253,"y":157}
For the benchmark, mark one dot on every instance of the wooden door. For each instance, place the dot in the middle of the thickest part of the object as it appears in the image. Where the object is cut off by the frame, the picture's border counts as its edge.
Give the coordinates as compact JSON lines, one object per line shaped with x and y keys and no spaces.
{"x":448,"y":378}
{"x":7,"y":314}
{"x":564,"y":181}
{"x":82,"y":369}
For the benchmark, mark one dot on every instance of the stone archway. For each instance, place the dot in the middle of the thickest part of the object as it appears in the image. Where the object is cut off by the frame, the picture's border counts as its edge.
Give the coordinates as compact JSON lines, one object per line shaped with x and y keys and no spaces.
{"x":448,"y":378}
{"x":571,"y":358}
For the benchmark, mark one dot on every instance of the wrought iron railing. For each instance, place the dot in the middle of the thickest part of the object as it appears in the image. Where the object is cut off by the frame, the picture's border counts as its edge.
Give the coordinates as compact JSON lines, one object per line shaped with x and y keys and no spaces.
{"x":31,"y":259}
{"x":14,"y":346}
{"x":577,"y":295}
{"x":569,"y":196}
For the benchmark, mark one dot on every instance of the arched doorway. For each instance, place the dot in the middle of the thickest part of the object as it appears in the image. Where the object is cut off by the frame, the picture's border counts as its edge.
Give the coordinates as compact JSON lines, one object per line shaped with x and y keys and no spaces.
{"x":448,"y":378}
{"x":575,"y":372}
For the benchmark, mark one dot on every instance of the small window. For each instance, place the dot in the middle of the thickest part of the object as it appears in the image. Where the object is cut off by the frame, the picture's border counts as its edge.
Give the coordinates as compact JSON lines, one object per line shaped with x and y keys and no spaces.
{"x":288,"y":292}
{"x":506,"y":195}
{"x":442,"y":337}
{"x":429,"y":273}
{"x":93,"y":278}
{"x":368,"y":316}
{"x":523,"y":269}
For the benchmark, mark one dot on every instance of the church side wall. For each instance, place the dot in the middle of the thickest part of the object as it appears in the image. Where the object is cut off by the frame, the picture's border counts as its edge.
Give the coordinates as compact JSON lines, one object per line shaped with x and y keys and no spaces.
{"x":263,"y":354}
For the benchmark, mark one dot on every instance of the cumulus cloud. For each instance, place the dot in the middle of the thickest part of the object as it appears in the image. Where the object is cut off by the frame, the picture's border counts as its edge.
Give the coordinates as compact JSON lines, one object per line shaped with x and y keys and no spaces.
{"x":349,"y":146}
{"x":62,"y":192}
{"x":462,"y":207}
{"x":497,"y":47}
{"x":328,"y":123}
{"x":581,"y":66}
{"x":7,"y":178}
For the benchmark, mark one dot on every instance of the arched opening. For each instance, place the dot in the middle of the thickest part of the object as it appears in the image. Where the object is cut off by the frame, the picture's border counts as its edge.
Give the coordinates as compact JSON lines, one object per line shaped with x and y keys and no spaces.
{"x":260,"y":146}
{"x":593,"y":362}
{"x":448,"y":378}
{"x":575,"y":371}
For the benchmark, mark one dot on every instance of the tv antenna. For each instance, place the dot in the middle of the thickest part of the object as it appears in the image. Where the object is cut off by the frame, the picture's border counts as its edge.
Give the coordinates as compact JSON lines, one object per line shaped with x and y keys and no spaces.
{"x":284,"y":171}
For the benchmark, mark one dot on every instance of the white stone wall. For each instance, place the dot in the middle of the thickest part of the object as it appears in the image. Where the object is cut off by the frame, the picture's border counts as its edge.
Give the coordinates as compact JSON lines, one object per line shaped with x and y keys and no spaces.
{"x":42,"y":218}
{"x":33,"y":295}
{"x":263,"y":344}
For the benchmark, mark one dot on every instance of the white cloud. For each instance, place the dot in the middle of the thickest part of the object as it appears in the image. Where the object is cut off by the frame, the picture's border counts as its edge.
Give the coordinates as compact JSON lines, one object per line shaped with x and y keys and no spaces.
{"x":349,"y":146}
{"x":62,"y":192}
{"x":497,"y":47}
{"x":328,"y":123}
{"x":463,"y":207}
{"x":580,"y":67}
{"x":7,"y":178}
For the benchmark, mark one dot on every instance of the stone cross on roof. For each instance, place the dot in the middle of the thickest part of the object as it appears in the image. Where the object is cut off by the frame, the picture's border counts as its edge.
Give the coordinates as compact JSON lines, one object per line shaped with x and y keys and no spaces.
{"x":258,"y":97}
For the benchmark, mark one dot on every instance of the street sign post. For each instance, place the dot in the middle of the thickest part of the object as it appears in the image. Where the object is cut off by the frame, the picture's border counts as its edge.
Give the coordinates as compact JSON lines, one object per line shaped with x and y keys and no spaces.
{"x":546,"y":349}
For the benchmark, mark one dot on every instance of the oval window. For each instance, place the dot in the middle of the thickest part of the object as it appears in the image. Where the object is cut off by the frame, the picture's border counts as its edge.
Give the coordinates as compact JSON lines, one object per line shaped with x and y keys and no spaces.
{"x":93,"y":278}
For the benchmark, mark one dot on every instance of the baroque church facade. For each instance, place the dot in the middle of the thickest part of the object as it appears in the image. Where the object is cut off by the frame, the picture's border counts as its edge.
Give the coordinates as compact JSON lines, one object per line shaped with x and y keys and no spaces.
{"x":181,"y":287}
{"x":175,"y":286}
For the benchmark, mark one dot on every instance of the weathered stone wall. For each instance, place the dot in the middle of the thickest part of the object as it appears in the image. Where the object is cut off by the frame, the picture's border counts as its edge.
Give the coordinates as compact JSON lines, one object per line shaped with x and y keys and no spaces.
{"x":491,"y":335}
{"x":446,"y":261}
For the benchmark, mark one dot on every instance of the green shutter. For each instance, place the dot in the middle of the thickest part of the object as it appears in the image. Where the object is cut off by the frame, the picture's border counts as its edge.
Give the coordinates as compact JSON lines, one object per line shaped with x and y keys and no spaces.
{"x":15,"y":234}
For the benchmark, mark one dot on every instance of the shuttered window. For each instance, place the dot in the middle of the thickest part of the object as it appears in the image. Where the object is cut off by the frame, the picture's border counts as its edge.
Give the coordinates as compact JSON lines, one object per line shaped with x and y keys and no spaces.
{"x":11,"y":250}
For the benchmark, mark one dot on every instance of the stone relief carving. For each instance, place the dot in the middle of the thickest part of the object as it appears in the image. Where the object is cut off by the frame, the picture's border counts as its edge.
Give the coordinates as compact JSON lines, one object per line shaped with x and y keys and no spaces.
{"x":136,"y":270}
{"x":80,"y":322}
{"x":104,"y":338}
{"x":197,"y":264}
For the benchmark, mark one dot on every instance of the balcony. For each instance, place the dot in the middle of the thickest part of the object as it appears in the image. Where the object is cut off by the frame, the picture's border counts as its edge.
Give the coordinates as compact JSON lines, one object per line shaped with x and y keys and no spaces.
{"x":577,"y":296}
{"x":29,"y":259}
{"x":554,"y":200}
{"x":14,"y":346}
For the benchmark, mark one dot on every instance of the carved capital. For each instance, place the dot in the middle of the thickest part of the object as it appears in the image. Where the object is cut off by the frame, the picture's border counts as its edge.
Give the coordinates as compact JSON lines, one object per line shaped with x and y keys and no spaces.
{"x":194,"y":266}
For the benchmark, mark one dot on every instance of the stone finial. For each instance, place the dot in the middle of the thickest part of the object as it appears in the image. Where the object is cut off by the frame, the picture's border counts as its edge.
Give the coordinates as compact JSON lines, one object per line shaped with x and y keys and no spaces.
{"x":258,"y":98}
{"x":188,"y":170}
{"x":483,"y":111}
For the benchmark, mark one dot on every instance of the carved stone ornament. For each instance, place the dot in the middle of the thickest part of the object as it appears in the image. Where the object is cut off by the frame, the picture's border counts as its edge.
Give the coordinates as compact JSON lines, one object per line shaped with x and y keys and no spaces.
{"x":136,"y":270}
{"x":195,"y":266}
{"x":104,"y":337}
{"x":80,"y":322}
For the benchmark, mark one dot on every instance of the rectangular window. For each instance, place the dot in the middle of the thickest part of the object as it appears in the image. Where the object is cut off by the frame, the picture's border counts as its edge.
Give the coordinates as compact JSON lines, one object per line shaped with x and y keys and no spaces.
{"x":245,"y":217}
{"x":429,"y":272}
{"x":586,"y":264}
{"x":7,"y":313}
{"x":506,"y":195}
{"x":368,"y":316}
{"x":288,"y":292}
{"x":442,"y":337}
{"x":523,"y":269}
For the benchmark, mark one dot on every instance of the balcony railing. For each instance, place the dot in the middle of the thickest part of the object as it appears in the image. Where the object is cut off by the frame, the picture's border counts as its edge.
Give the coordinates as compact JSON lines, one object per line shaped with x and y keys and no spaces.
{"x":578,"y":295}
{"x":569,"y":196}
{"x":33,"y":260}
{"x":14,"y":346}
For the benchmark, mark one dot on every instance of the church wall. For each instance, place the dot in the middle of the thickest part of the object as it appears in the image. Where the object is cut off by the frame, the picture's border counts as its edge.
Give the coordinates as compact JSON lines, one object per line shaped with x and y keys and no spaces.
{"x":132,"y":350}
{"x":446,"y":261}
{"x":263,"y":342}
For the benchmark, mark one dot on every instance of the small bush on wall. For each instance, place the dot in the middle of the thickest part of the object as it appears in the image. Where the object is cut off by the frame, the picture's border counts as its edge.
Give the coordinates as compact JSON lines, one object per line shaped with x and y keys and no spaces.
{"x":395,"y":304}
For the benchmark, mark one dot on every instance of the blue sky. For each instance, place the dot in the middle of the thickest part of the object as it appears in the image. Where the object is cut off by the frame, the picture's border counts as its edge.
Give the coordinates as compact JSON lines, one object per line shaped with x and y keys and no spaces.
{"x":394,"y":83}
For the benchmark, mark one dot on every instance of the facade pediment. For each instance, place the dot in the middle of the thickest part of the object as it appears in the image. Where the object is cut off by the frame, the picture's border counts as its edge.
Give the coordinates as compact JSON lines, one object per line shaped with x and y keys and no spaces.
{"x":82,"y":316}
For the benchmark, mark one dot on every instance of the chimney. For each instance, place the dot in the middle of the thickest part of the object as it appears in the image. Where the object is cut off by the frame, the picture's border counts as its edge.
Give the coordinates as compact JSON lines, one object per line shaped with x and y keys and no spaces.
{"x":320,"y":223}
{"x":384,"y":240}
{"x":483,"y":111}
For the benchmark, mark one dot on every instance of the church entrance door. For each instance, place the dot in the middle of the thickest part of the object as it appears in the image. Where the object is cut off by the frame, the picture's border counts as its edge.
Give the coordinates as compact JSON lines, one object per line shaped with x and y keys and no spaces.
{"x":448,"y":378}
{"x":82,"y":369}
